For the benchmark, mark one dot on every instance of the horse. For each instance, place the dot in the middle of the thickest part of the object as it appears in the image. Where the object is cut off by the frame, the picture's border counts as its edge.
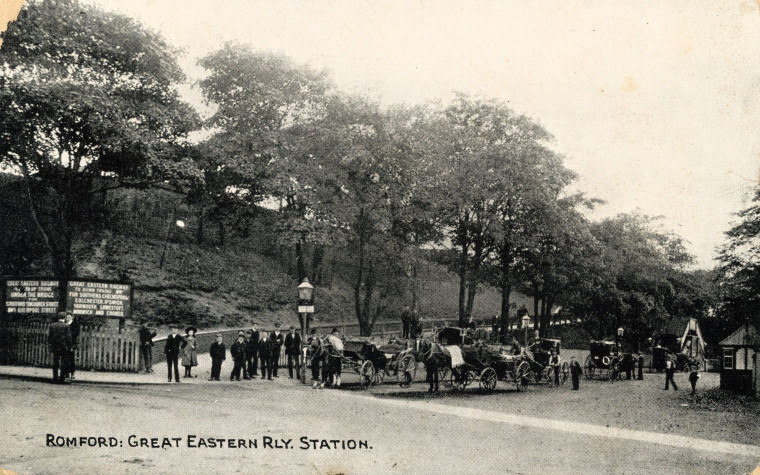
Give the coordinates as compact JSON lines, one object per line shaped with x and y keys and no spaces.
{"x":322,"y":351}
{"x":435,"y":359}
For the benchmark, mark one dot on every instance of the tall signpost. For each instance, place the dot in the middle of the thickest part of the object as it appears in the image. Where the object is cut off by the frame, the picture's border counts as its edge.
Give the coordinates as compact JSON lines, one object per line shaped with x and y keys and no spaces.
{"x":305,"y":308}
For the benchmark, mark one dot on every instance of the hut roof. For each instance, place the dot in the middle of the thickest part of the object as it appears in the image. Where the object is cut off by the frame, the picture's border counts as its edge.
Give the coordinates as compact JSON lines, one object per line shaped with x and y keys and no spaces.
{"x":746,"y":335}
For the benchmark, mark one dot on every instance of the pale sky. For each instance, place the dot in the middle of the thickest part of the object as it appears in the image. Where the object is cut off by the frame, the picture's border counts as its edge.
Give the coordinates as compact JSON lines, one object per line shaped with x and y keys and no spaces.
{"x":656,"y":105}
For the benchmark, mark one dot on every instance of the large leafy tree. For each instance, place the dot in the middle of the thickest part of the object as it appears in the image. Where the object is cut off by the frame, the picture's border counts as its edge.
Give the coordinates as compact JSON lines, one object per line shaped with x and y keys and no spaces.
{"x":260,"y":147}
{"x":636,"y":279}
{"x":89,"y":104}
{"x":739,"y":271}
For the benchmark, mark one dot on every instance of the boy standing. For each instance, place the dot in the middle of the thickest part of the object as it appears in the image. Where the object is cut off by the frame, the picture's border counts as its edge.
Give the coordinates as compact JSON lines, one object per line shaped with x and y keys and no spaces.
{"x":237,"y":351}
{"x":218,"y":354}
{"x":576,"y":370}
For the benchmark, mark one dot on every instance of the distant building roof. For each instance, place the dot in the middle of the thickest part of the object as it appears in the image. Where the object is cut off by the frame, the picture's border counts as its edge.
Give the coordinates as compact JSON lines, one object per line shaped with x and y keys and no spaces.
{"x":746,"y":335}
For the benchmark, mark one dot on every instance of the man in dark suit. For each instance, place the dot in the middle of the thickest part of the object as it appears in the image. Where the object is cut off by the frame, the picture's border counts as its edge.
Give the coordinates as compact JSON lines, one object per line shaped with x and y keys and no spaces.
{"x":252,"y":353}
{"x":265,"y":355}
{"x":173,"y":343}
{"x":59,"y":339}
{"x":293,"y":350}
{"x":237,"y":352}
{"x":277,"y":339}
{"x":218,"y":354}
{"x":146,"y":347}
{"x":74,"y":330}
{"x":576,"y":370}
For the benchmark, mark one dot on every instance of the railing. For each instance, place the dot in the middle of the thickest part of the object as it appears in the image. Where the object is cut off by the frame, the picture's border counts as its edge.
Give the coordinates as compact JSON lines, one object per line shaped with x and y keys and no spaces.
{"x":106,"y":349}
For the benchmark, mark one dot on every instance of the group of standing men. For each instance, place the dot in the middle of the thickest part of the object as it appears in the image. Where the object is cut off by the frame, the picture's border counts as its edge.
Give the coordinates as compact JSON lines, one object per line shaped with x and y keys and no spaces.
{"x":252,"y":347}
{"x":63,"y":336}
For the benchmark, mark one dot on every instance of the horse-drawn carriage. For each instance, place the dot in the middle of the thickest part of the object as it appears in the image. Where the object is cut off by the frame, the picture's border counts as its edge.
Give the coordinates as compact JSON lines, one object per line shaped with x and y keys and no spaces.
{"x":357,"y":354}
{"x":364,"y":358}
{"x":604,"y":359}
{"x":401,"y":357}
{"x":488,"y":364}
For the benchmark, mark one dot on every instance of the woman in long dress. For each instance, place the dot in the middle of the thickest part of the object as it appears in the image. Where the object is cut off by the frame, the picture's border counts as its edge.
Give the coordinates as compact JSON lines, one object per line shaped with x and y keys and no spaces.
{"x":189,"y":351}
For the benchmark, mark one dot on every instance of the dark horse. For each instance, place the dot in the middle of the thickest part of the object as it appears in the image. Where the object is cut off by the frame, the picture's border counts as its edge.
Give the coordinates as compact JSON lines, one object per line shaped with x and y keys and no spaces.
{"x":435,"y":359}
{"x":322,"y":352}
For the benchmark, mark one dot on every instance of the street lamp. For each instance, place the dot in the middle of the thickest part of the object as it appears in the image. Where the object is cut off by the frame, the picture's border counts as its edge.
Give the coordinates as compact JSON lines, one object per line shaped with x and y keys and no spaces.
{"x":525,"y":323}
{"x":178,"y":223}
{"x":305,"y":307}
{"x":619,"y":336}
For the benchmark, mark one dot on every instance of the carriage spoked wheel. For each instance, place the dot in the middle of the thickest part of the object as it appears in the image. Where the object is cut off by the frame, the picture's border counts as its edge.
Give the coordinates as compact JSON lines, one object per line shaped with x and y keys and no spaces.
{"x":488,"y":380}
{"x":564,"y":373}
{"x":589,"y":367}
{"x":407,"y":370}
{"x":366,"y":374}
{"x":522,"y":375}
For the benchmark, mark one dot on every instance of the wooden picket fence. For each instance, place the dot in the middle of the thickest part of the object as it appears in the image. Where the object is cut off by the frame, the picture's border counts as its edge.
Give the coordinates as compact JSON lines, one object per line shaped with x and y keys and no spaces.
{"x":106,"y":349}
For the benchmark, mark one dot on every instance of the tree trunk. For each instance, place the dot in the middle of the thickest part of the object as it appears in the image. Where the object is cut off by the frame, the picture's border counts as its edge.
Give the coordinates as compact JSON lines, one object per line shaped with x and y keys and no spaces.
{"x":506,"y":291}
{"x":317,"y":264}
{"x":415,"y":288}
{"x":199,"y":231}
{"x":221,"y":232}
{"x":369,"y":288}
{"x":544,"y":328}
{"x":536,"y":302}
{"x":462,"y":285}
{"x":359,"y":276}
{"x":300,"y":267}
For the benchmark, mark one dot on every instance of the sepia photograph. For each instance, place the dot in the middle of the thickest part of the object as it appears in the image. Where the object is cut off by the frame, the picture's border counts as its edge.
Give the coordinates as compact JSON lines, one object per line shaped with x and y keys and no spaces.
{"x":402,"y":237}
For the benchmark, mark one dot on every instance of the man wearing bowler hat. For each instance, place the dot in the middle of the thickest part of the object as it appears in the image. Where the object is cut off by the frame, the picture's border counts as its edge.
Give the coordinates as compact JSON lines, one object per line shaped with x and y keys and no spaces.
{"x":277,"y":339}
{"x":293,"y":350}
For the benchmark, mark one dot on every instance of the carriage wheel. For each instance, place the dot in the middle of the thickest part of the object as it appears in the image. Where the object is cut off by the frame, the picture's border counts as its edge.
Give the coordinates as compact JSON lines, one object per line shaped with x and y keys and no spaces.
{"x":564,"y":372}
{"x":407,"y":370}
{"x":590,"y":367}
{"x":488,"y":380}
{"x":522,"y":375}
{"x":366,"y":374}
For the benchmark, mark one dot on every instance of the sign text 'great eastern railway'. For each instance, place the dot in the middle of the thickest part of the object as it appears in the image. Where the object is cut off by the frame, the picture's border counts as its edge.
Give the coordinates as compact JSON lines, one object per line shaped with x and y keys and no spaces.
{"x":42,"y":295}
{"x":31,"y":296}
{"x":109,"y":299}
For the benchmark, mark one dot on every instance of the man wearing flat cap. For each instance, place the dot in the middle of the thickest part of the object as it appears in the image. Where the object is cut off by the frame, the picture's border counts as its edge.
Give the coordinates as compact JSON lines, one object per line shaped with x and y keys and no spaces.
{"x":277,"y":339}
{"x":293,"y":350}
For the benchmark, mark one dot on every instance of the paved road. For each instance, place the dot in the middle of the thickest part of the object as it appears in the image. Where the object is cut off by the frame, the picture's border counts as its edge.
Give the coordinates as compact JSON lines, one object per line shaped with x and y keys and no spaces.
{"x":402,"y":436}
